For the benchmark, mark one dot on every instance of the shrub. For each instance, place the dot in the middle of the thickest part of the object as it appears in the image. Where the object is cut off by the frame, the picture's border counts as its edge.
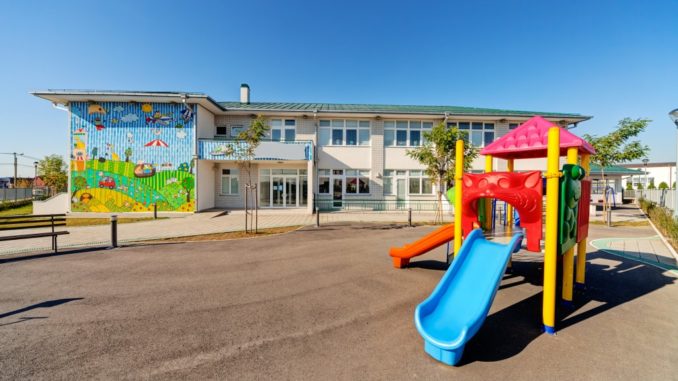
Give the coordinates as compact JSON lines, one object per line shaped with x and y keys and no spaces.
{"x":640,"y":186}
{"x":651,"y":186}
{"x":629,"y":186}
{"x":663,"y":185}
{"x":663,"y":220}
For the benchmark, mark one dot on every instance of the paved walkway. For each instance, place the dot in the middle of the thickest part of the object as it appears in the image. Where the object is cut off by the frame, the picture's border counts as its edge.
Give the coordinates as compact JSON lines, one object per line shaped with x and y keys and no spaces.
{"x":197,"y":224}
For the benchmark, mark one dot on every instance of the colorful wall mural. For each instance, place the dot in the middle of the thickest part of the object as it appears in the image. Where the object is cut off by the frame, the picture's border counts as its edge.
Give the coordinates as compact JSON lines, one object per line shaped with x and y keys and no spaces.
{"x":125,"y":157}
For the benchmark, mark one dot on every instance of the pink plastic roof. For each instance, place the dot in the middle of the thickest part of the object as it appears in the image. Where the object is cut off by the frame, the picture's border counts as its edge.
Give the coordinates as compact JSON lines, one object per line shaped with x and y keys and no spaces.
{"x":529,"y":140}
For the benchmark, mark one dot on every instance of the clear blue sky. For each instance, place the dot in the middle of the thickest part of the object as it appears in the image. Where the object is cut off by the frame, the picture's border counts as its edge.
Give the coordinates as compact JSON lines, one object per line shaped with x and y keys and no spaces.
{"x":609,"y":59}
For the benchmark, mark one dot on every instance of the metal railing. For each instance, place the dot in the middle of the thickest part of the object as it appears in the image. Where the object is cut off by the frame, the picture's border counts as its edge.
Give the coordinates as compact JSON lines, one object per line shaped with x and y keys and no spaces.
{"x":375,"y":205}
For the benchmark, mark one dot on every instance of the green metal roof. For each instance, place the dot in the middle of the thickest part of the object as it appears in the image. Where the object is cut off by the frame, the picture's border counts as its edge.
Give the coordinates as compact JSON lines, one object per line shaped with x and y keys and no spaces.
{"x":615,"y":170}
{"x":388,"y":109}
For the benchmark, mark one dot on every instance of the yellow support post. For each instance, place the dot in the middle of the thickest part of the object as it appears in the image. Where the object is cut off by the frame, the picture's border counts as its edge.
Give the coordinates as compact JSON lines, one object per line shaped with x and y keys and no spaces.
{"x":551,"y":242}
{"x":568,"y":256}
{"x":581,"y":246}
{"x":488,"y":202}
{"x":509,"y":208}
{"x":458,"y":174}
{"x":509,"y":211}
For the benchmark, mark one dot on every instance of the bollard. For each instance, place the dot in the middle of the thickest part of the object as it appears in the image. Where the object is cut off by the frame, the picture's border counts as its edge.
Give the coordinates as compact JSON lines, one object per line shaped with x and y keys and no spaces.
{"x":155,"y":210}
{"x":114,"y":231}
{"x":409,"y":217}
{"x":317,"y":217}
{"x":609,"y":218}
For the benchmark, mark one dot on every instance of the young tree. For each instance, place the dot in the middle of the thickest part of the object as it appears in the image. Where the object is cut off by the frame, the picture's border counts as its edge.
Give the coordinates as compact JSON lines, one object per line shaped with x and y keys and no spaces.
{"x":243,"y":152}
{"x":629,"y":186}
{"x":651,"y":186}
{"x":437,"y":154}
{"x":640,"y":186}
{"x":616,"y":147}
{"x":663,"y":185}
{"x":52,"y":170}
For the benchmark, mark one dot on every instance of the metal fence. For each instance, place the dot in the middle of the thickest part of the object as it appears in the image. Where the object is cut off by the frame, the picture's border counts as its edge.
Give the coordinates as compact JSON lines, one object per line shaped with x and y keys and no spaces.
{"x":376,"y":205}
{"x":15,"y":194}
{"x":663,"y":197}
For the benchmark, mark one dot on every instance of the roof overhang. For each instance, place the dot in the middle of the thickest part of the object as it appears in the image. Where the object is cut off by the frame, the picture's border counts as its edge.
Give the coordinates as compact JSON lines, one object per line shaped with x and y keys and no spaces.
{"x":64,"y":97}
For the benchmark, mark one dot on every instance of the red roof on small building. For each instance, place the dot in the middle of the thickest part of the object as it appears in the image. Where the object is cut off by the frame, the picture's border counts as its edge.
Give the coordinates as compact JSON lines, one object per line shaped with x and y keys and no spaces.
{"x":529,"y":141}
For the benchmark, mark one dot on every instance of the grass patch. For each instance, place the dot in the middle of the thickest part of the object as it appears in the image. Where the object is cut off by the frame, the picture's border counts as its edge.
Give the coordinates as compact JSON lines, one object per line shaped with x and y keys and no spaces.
{"x":226,"y":236}
{"x":16,"y":209}
{"x":663,"y":219}
{"x":106,"y":221}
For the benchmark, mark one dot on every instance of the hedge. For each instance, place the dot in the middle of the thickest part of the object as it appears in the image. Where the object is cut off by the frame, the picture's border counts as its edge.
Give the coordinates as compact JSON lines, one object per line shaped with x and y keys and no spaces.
{"x":662,"y":218}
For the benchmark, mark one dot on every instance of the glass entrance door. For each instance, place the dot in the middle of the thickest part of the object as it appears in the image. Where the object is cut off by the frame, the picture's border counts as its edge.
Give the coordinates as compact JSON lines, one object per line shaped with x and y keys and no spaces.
{"x":290,"y":191}
{"x":337,"y":192}
{"x":278,"y":193}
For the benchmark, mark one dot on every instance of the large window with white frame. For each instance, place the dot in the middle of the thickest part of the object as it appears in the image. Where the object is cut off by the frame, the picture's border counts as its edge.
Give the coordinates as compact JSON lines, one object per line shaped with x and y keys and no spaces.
{"x":405,"y":133}
{"x":229,"y":182}
{"x":417,"y":182}
{"x":343,"y":132}
{"x":480,"y":134}
{"x":357,"y":181}
{"x":282,"y":130}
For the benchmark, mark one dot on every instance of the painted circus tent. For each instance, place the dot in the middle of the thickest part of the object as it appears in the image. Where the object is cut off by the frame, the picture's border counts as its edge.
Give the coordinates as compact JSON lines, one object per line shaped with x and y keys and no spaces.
{"x":129,"y":156}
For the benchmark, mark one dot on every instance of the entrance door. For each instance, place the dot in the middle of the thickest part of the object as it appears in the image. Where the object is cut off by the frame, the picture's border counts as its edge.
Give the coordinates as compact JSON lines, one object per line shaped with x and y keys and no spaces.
{"x":401,"y":193}
{"x":278,"y":192}
{"x":337,"y":192}
{"x":290,"y":191}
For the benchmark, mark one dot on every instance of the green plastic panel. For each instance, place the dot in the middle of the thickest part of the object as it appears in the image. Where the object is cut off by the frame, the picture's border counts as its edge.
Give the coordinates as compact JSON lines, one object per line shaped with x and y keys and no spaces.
{"x":570,"y":193}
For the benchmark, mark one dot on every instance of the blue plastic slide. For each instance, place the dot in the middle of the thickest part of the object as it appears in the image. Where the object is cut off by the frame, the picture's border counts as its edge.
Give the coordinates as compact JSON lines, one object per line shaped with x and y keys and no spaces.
{"x":459,"y":304}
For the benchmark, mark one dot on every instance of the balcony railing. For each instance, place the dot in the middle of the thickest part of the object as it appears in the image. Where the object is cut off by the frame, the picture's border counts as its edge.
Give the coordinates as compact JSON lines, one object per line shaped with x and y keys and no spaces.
{"x":221,"y":149}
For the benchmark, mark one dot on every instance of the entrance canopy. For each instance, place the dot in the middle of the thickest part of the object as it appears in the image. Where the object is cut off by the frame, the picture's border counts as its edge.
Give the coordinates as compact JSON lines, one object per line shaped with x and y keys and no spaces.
{"x":530,"y":139}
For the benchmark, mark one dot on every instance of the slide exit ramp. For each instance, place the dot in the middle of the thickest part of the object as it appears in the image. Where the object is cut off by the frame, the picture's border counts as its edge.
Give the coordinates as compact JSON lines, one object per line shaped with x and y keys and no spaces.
{"x":459,"y":304}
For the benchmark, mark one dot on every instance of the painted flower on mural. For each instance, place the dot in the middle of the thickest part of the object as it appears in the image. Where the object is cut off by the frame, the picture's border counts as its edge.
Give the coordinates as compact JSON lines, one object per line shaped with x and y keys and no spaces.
{"x":95,"y":108}
{"x":147,"y":108}
{"x":114,"y":120}
{"x":181,"y":134}
{"x":130,"y":118}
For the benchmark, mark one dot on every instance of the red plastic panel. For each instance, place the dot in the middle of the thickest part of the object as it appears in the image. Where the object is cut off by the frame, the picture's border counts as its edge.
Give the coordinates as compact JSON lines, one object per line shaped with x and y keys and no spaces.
{"x":522,"y":190}
{"x":584,"y":204}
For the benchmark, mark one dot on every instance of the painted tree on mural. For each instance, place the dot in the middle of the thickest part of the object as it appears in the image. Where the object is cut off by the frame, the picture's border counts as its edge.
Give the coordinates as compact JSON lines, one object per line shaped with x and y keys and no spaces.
{"x":188,"y":183}
{"x":128,"y":154}
{"x":79,"y":183}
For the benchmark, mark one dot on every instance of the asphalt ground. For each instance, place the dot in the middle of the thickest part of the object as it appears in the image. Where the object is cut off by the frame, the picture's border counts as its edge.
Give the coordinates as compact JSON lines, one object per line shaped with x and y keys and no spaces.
{"x":317,"y":304}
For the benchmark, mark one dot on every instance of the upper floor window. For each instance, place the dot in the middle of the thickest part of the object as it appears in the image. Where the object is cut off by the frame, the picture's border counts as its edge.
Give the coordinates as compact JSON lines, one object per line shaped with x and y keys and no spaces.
{"x":405,"y":133}
{"x":221,"y":130}
{"x":480,"y":134}
{"x":341,"y":132}
{"x":283,"y":130}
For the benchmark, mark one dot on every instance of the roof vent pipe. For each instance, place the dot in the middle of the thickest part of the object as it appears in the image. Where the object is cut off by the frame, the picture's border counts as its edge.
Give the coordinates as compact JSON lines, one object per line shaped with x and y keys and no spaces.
{"x":244,"y":93}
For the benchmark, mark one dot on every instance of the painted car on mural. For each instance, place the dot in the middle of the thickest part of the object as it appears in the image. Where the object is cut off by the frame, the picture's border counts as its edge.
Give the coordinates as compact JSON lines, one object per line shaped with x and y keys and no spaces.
{"x":107,"y":182}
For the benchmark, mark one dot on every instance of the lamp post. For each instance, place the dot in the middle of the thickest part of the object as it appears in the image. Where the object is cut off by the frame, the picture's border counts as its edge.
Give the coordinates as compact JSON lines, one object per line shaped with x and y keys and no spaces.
{"x":645,"y":161}
{"x":674,"y":117}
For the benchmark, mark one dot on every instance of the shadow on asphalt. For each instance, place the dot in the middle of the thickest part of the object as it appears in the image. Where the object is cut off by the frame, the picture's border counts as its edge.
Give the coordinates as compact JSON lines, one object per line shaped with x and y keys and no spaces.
{"x":19,"y":257}
{"x":507,"y":332}
{"x":45,"y":304}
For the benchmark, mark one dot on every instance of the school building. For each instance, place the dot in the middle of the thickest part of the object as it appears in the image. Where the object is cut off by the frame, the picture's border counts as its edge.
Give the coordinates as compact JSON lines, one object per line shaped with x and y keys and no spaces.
{"x":131,"y":150}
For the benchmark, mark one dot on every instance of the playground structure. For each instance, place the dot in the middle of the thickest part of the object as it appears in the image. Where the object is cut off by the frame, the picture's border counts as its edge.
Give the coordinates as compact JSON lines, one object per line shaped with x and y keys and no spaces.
{"x":459,"y":304}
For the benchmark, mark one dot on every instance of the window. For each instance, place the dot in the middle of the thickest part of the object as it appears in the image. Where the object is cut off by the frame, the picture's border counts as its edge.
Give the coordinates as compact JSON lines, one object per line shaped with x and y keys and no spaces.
{"x":283,"y":130}
{"x":388,"y":182}
{"x":404,"y":133}
{"x":357,"y":181}
{"x":340,"y":132}
{"x":324,"y":181}
{"x":419,"y":183}
{"x":229,"y":182}
{"x":513,"y":126}
{"x":236,"y":129}
{"x":480,"y":134}
{"x":221,"y":130}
